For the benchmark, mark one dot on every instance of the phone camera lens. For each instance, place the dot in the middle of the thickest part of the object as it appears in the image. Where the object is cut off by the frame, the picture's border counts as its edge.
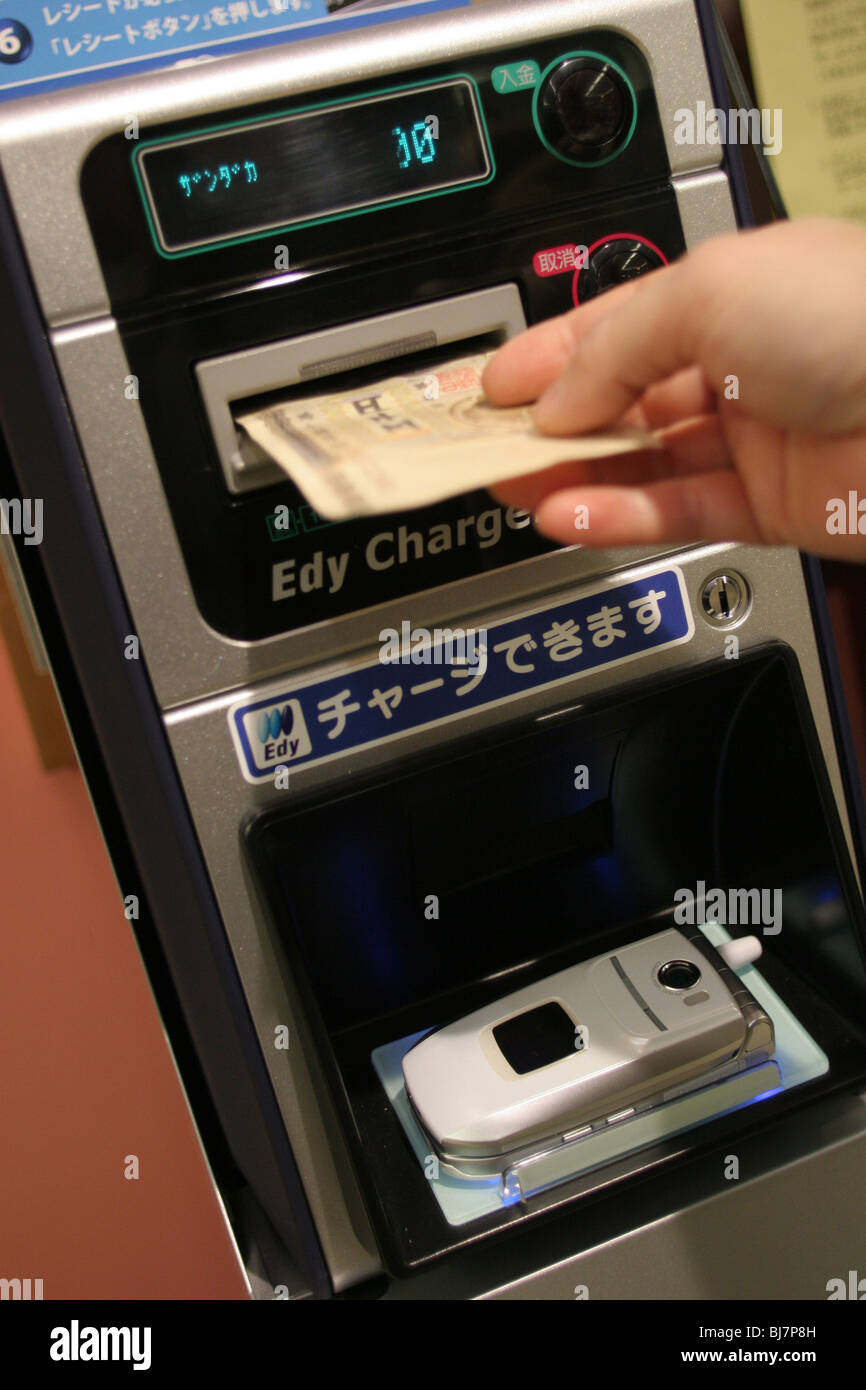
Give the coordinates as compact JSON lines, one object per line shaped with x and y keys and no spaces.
{"x":678,"y":974}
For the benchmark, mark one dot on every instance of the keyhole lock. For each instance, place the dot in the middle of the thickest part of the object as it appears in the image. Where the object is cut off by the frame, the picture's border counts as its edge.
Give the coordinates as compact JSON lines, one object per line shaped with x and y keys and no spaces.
{"x":725,"y":599}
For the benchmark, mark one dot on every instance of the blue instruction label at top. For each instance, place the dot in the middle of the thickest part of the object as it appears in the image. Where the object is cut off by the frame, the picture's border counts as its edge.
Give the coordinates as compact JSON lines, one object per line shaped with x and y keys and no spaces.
{"x":43,"y":46}
{"x":422,"y":678}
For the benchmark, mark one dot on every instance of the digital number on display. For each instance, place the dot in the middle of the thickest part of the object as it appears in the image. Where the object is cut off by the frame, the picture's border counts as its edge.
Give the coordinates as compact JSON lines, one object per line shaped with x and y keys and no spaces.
{"x":423,"y":135}
{"x":313,"y":165}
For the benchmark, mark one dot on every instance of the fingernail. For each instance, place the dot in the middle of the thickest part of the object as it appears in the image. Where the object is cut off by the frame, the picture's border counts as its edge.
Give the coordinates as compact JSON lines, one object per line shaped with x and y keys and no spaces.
{"x":541,"y":412}
{"x":550,"y":407}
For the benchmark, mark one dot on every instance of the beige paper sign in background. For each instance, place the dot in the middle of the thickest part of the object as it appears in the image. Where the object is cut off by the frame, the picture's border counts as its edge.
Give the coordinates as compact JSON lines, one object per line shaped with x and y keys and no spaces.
{"x":809,"y":61}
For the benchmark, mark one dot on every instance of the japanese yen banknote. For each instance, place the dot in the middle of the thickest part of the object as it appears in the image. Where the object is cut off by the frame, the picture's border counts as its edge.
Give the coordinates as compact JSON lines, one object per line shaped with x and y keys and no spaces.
{"x":409,"y":440}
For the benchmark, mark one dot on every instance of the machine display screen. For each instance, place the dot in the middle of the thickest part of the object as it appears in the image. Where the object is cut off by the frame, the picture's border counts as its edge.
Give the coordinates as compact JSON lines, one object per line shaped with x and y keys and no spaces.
{"x":319,"y":163}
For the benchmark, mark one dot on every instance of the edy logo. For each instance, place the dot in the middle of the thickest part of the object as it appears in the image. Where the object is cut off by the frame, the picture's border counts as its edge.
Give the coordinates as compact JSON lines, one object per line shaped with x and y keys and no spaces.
{"x":278,"y":733}
{"x":855,"y":1288}
{"x":76,"y":1343}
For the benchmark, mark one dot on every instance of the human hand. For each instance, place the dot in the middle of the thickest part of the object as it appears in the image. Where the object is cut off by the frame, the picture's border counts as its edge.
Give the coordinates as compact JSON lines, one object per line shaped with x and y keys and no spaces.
{"x":750,"y":355}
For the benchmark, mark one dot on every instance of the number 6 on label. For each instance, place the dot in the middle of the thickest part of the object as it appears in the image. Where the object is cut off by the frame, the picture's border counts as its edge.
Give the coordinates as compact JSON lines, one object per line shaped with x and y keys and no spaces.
{"x":15,"y":41}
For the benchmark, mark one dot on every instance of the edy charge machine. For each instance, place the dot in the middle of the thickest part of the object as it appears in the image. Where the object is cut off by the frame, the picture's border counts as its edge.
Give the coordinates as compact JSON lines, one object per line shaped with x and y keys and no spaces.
{"x":335,"y":855}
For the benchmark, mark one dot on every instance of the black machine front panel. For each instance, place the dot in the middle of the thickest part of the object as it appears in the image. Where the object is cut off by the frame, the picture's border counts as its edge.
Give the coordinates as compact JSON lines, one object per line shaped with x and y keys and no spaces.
{"x":473,"y":175}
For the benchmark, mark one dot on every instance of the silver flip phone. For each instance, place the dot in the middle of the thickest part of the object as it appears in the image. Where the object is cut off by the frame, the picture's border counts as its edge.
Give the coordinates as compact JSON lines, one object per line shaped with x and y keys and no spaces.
{"x":582,"y":1049}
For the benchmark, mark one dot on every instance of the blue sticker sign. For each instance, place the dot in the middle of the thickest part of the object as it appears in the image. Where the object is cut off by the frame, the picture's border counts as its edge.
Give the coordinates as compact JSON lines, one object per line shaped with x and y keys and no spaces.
{"x":44,"y":46}
{"x":423,"y":678}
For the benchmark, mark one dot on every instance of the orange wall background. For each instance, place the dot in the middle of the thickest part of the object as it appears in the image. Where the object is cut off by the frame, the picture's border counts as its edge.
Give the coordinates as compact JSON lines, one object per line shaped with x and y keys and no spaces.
{"x":86,"y":1076}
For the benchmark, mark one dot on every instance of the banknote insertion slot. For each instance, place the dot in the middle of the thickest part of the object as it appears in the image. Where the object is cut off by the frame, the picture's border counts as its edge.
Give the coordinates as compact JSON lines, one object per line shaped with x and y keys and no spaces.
{"x":366,"y":350}
{"x":357,"y":371}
